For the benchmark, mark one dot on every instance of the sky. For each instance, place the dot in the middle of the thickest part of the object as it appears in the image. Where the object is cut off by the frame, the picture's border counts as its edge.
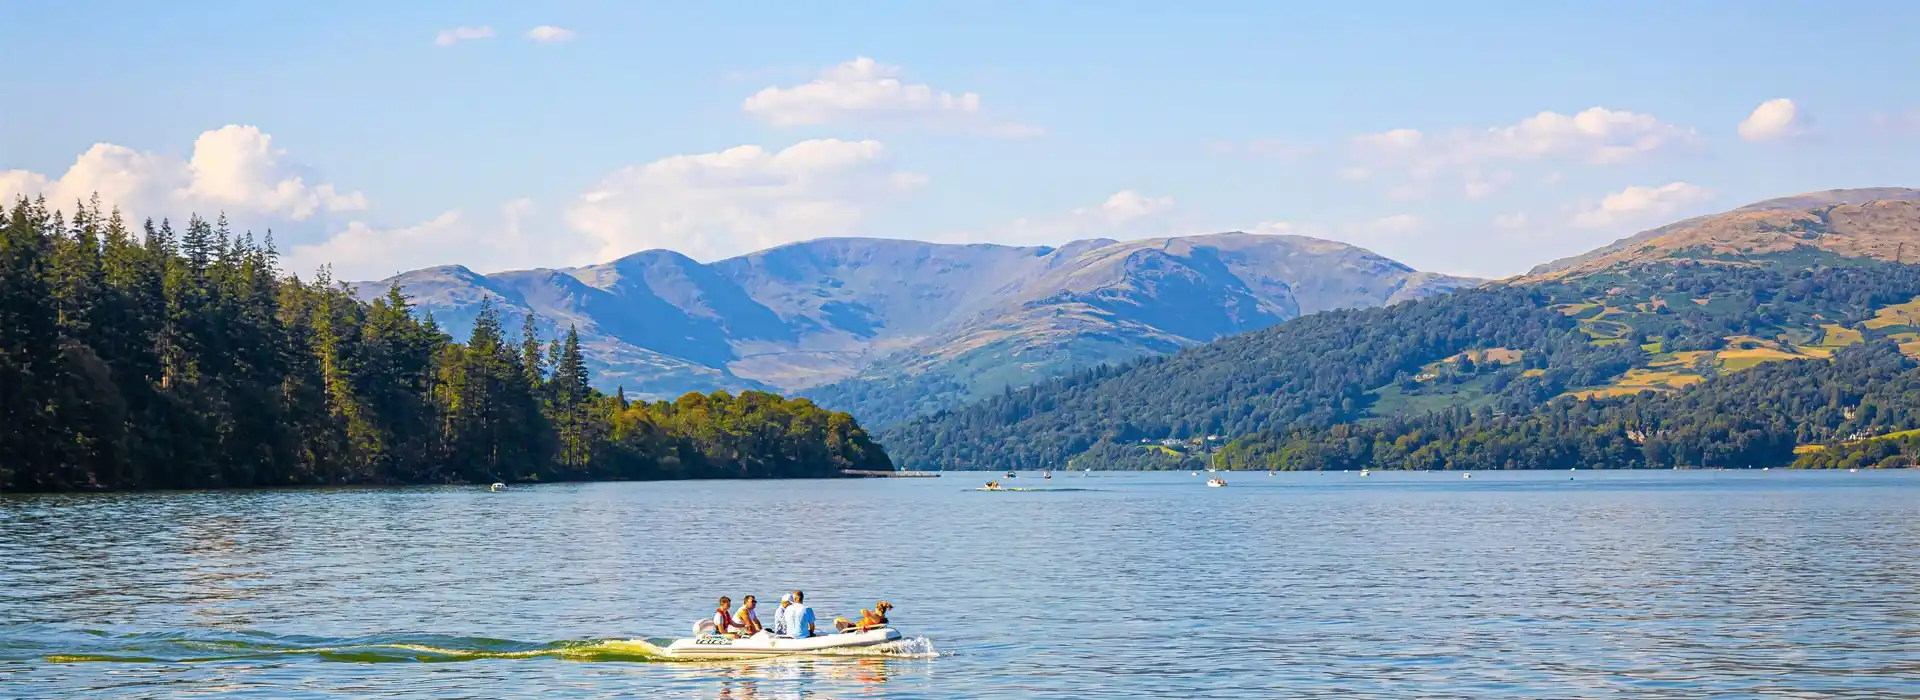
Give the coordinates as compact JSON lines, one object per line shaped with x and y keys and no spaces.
{"x":1476,"y":138}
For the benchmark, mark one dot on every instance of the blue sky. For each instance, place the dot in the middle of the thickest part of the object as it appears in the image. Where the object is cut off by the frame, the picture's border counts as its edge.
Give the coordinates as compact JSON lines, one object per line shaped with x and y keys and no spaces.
{"x":1475,"y":138}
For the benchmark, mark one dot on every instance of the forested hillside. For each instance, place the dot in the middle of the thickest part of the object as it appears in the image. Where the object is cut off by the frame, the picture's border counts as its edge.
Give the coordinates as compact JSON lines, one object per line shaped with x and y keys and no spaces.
{"x":1649,"y":329}
{"x":164,"y":359}
{"x":1754,"y":418}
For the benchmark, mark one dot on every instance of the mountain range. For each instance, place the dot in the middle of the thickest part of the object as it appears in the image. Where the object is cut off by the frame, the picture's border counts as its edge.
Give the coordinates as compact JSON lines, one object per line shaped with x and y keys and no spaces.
{"x":1636,"y":354}
{"x":893,"y":329}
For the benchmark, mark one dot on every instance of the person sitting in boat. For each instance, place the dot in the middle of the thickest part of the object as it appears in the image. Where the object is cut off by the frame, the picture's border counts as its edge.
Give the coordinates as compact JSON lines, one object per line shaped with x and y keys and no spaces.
{"x":747,"y":620}
{"x":723,"y":619}
{"x":800,"y":617}
{"x":780,"y":615}
{"x":869,"y":619}
{"x":993,"y":485}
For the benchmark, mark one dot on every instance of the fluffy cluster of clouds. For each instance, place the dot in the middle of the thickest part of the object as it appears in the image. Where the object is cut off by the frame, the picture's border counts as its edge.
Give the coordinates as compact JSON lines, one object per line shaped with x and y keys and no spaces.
{"x":1641,"y":203}
{"x":234,"y":168}
{"x":736,"y":200}
{"x":1478,"y":161}
{"x":1123,"y":215}
{"x":866,"y":91}
{"x":1773,"y":120}
{"x":712,"y":205}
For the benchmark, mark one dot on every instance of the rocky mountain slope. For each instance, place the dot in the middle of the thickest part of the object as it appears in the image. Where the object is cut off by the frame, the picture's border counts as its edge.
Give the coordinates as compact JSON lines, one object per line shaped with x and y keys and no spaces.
{"x":1764,"y":224}
{"x":898,"y":317}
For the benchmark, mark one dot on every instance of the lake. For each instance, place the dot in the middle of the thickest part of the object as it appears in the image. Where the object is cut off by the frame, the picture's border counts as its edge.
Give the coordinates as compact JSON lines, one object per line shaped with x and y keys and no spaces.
{"x":1529,"y":584}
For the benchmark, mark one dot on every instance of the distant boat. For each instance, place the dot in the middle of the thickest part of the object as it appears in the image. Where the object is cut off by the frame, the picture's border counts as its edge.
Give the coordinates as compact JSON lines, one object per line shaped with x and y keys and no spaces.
{"x":1216,"y":482}
{"x":497,"y":486}
{"x":1046,"y":475}
{"x":1011,"y":475}
{"x":1466,"y":476}
{"x":1364,"y":472}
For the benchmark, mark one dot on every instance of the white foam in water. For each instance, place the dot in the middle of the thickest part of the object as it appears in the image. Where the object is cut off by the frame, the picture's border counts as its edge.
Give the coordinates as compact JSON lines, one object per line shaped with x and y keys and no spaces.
{"x":907,"y":648}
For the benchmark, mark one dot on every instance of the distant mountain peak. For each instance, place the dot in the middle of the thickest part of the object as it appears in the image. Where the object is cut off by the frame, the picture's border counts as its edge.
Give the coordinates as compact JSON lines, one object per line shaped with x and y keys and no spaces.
{"x":1700,"y":229}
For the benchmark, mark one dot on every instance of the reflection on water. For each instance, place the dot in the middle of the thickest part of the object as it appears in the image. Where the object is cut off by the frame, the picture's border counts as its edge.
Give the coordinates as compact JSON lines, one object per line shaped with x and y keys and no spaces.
{"x":1318,"y":585}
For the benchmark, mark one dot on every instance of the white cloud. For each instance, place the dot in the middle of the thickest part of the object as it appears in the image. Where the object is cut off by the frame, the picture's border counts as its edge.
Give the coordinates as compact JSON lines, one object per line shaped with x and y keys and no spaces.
{"x":1392,"y":225}
{"x":866,"y":91}
{"x":746,"y":198}
{"x":1510,"y":222}
{"x":1261,"y":148}
{"x":1281,"y":228}
{"x":1773,"y":119}
{"x":1641,"y":203}
{"x":1128,"y":205}
{"x":1481,"y":185}
{"x":1407,"y":193}
{"x":1597,"y":136}
{"x":1124,"y":215}
{"x":549,"y":34}
{"x":449,"y":37}
{"x":501,"y":241}
{"x":1898,"y":123}
{"x":233,"y":169}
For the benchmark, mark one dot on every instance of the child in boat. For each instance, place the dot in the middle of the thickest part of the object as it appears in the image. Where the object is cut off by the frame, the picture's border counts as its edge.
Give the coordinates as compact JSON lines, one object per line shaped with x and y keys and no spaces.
{"x":747,"y":621}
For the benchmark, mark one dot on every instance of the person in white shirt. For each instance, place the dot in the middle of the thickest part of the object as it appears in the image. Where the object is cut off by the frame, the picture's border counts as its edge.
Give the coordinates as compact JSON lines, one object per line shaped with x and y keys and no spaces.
{"x":780,"y":615}
{"x":746,"y":621}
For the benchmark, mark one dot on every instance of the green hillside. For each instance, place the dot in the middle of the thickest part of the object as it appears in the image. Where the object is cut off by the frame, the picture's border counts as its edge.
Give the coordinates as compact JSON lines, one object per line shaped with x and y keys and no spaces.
{"x":1624,"y":334}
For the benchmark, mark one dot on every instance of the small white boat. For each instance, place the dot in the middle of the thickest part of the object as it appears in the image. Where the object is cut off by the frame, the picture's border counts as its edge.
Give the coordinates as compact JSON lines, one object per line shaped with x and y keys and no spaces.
{"x":767,"y":644}
{"x":1364,"y":472}
{"x":1216,"y":482}
{"x":497,"y":486}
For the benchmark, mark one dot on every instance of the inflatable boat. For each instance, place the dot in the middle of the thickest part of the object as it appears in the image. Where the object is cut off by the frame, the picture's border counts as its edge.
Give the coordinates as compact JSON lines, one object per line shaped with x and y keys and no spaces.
{"x":766,"y":644}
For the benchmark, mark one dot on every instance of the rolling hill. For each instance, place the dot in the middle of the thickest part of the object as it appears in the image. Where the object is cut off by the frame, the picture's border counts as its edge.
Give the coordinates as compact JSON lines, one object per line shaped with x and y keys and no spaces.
{"x":906,"y":327}
{"x":1673,"y":312}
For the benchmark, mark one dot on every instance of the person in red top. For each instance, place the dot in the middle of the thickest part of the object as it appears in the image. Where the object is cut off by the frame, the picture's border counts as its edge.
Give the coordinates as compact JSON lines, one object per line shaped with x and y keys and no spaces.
{"x":723,"y":618}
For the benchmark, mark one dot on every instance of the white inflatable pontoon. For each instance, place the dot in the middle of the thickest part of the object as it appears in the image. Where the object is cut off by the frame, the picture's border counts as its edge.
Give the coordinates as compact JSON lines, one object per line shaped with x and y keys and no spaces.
{"x":704,"y":643}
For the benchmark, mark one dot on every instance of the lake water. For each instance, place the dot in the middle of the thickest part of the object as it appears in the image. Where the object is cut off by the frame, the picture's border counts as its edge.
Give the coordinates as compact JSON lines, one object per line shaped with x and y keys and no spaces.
{"x":1611,"y":584}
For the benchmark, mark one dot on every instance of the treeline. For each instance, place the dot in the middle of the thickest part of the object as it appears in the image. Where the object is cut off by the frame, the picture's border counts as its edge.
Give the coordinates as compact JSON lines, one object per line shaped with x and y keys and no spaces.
{"x":1873,"y":453}
{"x":164,"y":359}
{"x":1752,"y":418}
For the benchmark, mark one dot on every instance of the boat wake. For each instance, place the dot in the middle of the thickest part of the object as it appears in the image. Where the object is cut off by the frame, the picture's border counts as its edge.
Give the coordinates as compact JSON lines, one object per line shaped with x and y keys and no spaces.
{"x":214,"y":647}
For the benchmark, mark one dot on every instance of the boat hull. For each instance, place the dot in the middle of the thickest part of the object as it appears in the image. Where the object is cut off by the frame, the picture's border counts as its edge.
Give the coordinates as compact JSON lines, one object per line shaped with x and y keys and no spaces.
{"x":768,"y":645}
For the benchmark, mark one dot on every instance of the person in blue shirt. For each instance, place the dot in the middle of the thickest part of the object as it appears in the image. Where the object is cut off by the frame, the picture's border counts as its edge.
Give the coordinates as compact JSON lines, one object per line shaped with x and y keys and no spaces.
{"x":800,"y":617}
